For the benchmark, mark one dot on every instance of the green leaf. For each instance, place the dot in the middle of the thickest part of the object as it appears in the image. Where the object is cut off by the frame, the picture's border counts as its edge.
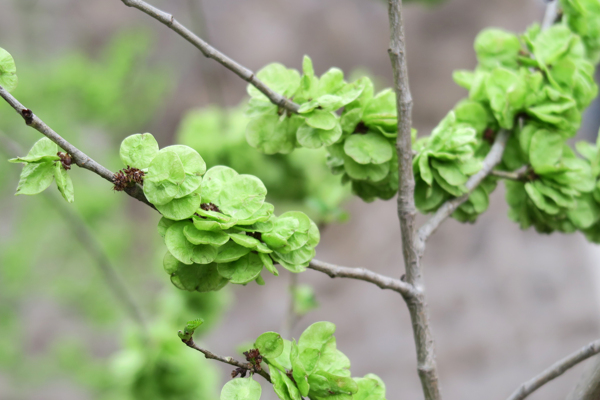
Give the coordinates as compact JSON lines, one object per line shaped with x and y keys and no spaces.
{"x":370,"y":148}
{"x":279,"y":78}
{"x":304,"y":299}
{"x":195,"y":236}
{"x":178,"y":244}
{"x":320,"y":119}
{"x":450,"y":171}
{"x":231,"y":251}
{"x":496,"y":47}
{"x":270,"y":344}
{"x":331,"y":81}
{"x":35,"y":178}
{"x":170,"y":263}
{"x":63,"y":182}
{"x":546,"y":148}
{"x":314,"y":138}
{"x":316,"y":335}
{"x":193,"y":164}
{"x":189,"y":329}
{"x":243,"y":270}
{"x":283,"y":386}
{"x":8,"y":71}
{"x":165,"y":174}
{"x":372,"y":172}
{"x":44,"y":150}
{"x":242,"y":196}
{"x":215,"y":181}
{"x":270,"y":134}
{"x":268,"y":263}
{"x":138,"y":150}
{"x":180,"y":209}
{"x":163,"y":225}
{"x":241,"y":389}
{"x":370,"y":387}
{"x":200,"y":278}
{"x":160,"y":193}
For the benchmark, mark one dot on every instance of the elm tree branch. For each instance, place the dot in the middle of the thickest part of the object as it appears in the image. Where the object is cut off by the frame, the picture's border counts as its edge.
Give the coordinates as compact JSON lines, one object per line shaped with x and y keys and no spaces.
{"x":228,"y":360}
{"x":210,"y":52}
{"x":424,"y":343}
{"x":490,"y":161}
{"x":81,"y":159}
{"x":556,"y":370}
{"x":362,"y":274}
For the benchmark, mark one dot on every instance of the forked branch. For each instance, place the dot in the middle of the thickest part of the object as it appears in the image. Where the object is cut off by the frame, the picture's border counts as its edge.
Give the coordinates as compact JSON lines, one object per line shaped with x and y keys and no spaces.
{"x":362,"y":274}
{"x":210,"y":52}
{"x":417,"y":306}
{"x":228,"y":360}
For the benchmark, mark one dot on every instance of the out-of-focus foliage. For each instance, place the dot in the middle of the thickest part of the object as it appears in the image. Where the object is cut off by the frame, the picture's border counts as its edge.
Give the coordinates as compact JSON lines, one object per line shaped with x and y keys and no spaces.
{"x":297,"y":181}
{"x":312,"y":367}
{"x":93,"y":102}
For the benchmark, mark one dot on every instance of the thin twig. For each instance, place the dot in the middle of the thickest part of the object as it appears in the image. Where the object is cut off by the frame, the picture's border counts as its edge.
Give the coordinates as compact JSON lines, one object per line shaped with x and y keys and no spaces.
{"x":490,"y":161}
{"x":556,"y":370}
{"x":424,"y":343}
{"x":508,"y":175}
{"x":228,"y":360}
{"x":213,"y":53}
{"x":362,"y":274}
{"x":80,"y":158}
{"x":550,"y":15}
{"x":90,"y":244}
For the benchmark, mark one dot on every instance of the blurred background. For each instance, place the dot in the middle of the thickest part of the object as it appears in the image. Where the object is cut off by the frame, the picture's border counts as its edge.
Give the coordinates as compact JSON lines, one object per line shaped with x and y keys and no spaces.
{"x":504,"y":303}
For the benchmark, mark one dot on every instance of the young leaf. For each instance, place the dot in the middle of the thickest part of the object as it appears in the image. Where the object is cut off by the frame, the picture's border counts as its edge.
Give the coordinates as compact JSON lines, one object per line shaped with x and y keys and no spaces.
{"x":138,"y":150}
{"x":63,"y":182}
{"x":270,"y":344}
{"x":241,"y":389}
{"x":35,"y":178}
{"x":189,"y":329}
{"x":8,"y":71}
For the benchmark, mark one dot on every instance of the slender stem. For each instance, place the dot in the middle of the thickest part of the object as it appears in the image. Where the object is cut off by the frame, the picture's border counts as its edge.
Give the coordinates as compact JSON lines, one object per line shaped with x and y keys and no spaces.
{"x":362,"y":274}
{"x":556,"y":370}
{"x":417,"y":305}
{"x":511,"y":176}
{"x":213,"y":53}
{"x":90,"y":243}
{"x":550,"y":14}
{"x":588,"y":387}
{"x":81,"y":159}
{"x":228,"y":360}
{"x":490,"y":161}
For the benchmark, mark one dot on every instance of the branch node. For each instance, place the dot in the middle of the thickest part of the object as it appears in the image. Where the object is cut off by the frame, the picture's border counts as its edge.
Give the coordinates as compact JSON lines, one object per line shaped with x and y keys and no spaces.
{"x":27,"y":115}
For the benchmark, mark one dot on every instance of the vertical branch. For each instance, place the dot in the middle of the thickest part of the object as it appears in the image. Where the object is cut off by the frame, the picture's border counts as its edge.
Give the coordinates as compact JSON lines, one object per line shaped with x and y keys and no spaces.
{"x":417,"y":305}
